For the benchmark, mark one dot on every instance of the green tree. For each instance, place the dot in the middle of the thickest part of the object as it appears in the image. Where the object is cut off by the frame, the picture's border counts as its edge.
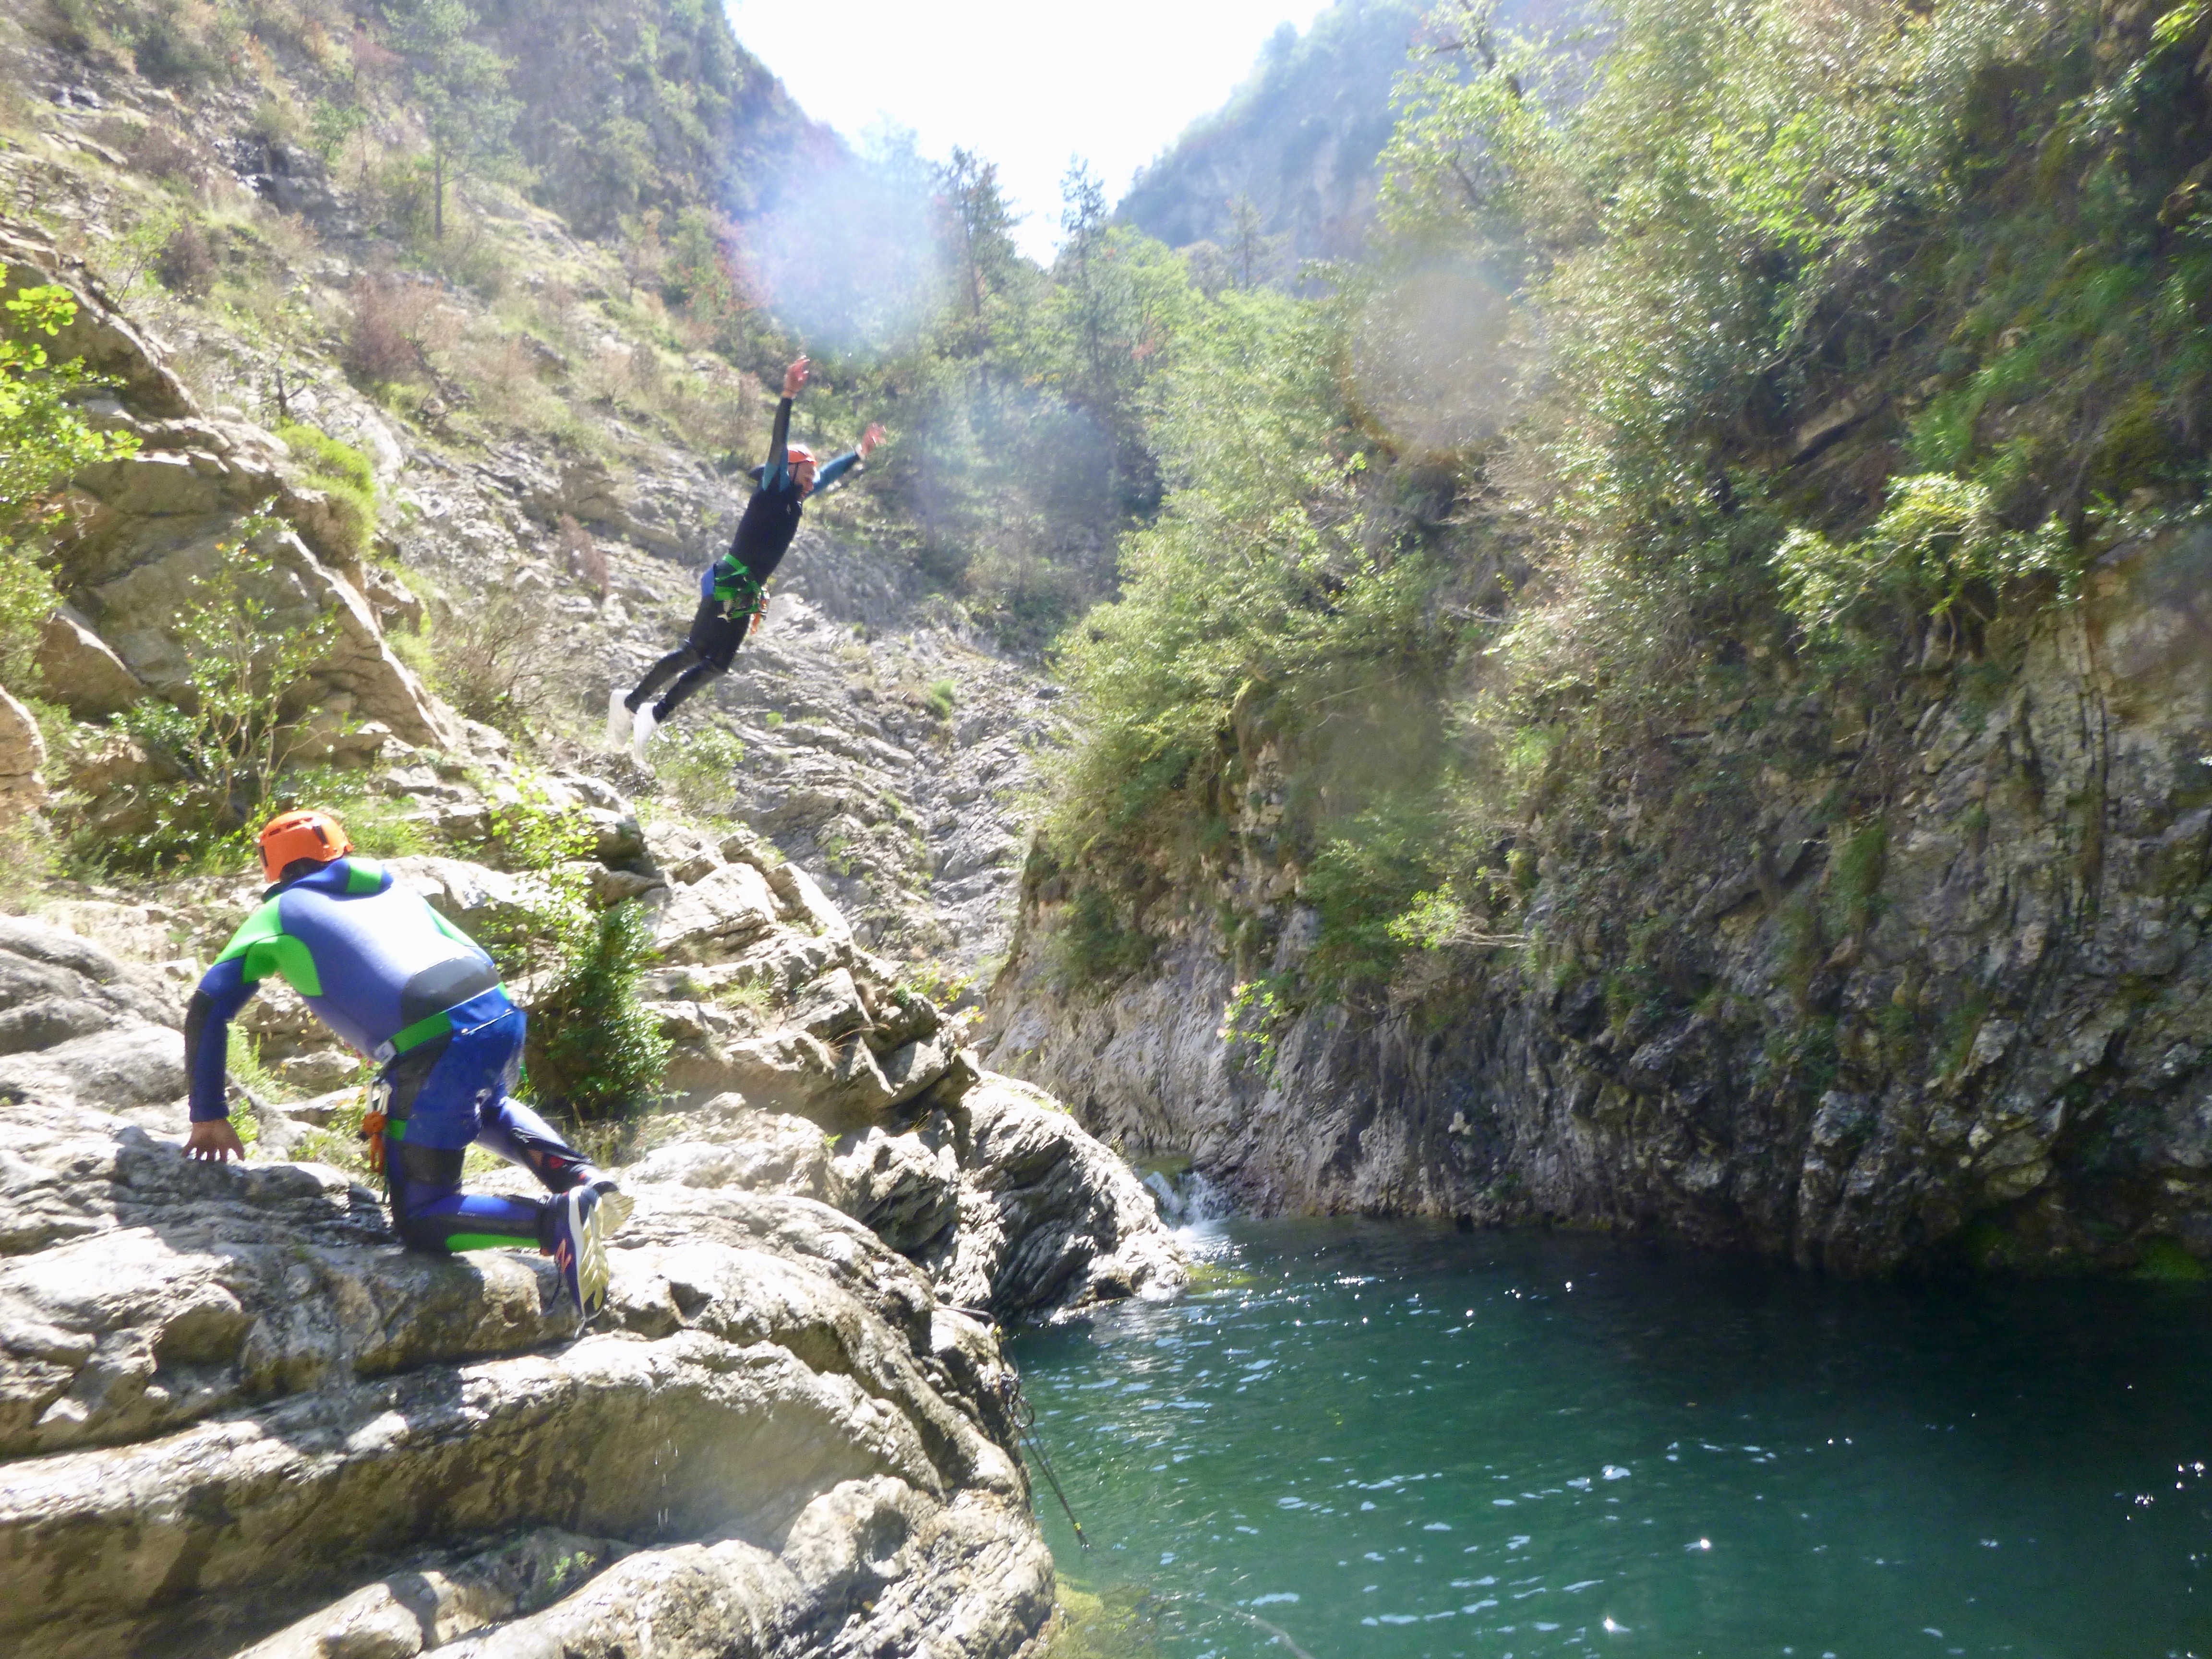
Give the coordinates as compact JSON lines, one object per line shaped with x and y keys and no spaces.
{"x":978,"y":230}
{"x":460,"y":86}
{"x":44,"y":442}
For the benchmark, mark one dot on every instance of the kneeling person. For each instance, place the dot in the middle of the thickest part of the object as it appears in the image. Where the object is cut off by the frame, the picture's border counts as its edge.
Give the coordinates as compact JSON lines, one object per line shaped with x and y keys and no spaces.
{"x":399,"y":982}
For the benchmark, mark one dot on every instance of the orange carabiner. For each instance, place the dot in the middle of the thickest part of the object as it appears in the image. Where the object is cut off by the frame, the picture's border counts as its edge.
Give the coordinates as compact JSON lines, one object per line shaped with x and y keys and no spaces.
{"x":372,"y":1130}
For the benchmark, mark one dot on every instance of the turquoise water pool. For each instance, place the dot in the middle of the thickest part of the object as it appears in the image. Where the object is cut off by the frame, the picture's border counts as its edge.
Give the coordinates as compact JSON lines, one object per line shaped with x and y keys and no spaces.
{"x":1385,"y":1439}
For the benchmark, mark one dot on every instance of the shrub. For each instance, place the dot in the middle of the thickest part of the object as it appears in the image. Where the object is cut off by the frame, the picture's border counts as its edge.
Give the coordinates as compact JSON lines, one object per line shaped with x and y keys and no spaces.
{"x":943,"y":696}
{"x":229,"y":744}
{"x":159,"y":153}
{"x":343,"y":473}
{"x":698,"y":766}
{"x":186,"y":265}
{"x":383,"y":342}
{"x":44,"y":442}
{"x":183,"y":43}
{"x":495,"y":663}
{"x":593,"y":1047}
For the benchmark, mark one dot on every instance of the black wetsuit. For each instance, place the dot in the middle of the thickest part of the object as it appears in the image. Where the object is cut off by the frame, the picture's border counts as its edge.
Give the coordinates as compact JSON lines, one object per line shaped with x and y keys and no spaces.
{"x":733,"y":591}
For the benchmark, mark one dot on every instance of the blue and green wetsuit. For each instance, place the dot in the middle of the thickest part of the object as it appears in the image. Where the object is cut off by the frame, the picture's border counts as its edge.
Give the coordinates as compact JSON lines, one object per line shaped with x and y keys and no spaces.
{"x":733,"y":589}
{"x":405,"y":985}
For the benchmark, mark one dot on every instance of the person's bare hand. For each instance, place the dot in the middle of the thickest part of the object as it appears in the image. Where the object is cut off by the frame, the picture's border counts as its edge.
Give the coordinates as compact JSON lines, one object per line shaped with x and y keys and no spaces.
{"x":213,"y":1142}
{"x":794,"y":377}
{"x":871,"y":438}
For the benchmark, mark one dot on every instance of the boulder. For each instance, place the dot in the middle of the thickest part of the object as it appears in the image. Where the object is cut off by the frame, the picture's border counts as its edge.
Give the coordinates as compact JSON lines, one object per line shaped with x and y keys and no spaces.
{"x":137,"y":609}
{"x":227,"y":1402}
{"x":78,"y":671}
{"x":716,"y":916}
{"x":22,"y":753}
{"x":903,"y":1187}
{"x":1049,"y":1217}
{"x":111,"y":348}
{"x":438,"y":1602}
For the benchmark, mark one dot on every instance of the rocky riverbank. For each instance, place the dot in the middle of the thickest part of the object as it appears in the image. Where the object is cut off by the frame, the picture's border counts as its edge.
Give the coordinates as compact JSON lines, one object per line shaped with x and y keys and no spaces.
{"x":230,"y":1403}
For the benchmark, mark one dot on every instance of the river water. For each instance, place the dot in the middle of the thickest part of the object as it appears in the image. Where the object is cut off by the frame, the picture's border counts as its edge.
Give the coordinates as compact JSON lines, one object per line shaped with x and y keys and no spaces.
{"x":1356,"y":1439}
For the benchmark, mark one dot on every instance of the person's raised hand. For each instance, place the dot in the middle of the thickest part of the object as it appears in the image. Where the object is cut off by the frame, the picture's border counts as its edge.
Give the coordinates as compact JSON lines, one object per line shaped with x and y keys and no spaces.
{"x":213,"y":1142}
{"x":794,"y":377}
{"x":871,"y":438}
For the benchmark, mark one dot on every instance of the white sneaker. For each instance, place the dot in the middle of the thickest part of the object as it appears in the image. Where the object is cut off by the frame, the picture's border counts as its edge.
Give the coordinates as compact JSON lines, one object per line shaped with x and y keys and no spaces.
{"x":642,"y":733}
{"x":618,"y":715}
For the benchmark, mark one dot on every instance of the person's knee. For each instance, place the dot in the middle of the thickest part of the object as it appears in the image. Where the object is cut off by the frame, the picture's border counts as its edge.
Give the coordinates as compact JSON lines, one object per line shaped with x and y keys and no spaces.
{"x":421,"y":1177}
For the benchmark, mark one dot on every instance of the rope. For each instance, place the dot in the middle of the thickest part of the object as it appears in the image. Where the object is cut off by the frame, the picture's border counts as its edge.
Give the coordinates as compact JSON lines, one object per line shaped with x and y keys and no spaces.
{"x":1023,"y":1417}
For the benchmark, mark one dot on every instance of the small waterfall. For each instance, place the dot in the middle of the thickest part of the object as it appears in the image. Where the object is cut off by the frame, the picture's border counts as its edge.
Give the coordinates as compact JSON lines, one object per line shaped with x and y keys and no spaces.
{"x":1186,"y":1197}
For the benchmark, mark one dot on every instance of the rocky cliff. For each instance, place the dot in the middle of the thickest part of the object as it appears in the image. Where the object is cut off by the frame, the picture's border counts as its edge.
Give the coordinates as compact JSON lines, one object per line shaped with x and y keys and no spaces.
{"x":1975,"y":1025}
{"x":230,"y":1403}
{"x":233,"y":1414}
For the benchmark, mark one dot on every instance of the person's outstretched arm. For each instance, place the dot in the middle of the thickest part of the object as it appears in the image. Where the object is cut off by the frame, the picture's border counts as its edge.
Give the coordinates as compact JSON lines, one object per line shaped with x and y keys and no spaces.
{"x":779,"y":442}
{"x":833,"y":469}
{"x":222,"y":993}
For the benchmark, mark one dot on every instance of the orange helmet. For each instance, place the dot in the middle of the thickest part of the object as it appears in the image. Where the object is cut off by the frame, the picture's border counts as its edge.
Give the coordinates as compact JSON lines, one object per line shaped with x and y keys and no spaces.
{"x":290,"y":837}
{"x":800,"y":455}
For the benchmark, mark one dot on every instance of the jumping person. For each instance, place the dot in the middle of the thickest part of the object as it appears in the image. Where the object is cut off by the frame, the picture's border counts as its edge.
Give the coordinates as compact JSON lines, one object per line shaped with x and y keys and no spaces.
{"x":401,"y":984}
{"x":733,"y":591}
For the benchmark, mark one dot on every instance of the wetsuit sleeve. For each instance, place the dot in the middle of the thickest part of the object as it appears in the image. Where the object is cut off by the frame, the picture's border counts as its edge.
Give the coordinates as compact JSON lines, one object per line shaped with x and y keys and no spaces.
{"x":779,"y":449}
{"x":222,"y":993}
{"x":850,"y":461}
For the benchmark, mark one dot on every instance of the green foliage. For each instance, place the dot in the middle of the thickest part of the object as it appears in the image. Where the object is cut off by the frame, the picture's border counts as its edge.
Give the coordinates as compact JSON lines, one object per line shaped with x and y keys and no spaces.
{"x":2167,"y":1262}
{"x":1939,"y":546}
{"x":44,"y":442}
{"x":593,"y":1047}
{"x":230,"y":742}
{"x":1253,"y":1020}
{"x":943,"y":696}
{"x":250,"y":1071}
{"x":698,"y":766}
{"x":942,"y":982}
{"x":343,"y":474}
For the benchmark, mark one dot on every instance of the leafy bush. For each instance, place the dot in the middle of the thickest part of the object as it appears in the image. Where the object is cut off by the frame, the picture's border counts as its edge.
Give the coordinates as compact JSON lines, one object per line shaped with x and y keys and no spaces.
{"x":593,"y":1047}
{"x":343,"y":473}
{"x":698,"y":766}
{"x":44,"y":442}
{"x":1940,"y":539}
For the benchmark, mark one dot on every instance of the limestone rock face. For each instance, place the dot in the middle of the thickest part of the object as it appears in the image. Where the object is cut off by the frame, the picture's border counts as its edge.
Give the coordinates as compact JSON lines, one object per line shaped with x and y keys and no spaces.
{"x":22,"y":753}
{"x":236,"y":1415}
{"x":229,"y":1399}
{"x":2008,"y":1043}
{"x":1049,"y":1217}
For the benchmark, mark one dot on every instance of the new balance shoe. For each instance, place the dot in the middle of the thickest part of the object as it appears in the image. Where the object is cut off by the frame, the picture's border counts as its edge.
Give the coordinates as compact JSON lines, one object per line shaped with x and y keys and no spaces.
{"x":580,"y":1249}
{"x":618,"y":716}
{"x":642,"y":733}
{"x":615,"y":1206}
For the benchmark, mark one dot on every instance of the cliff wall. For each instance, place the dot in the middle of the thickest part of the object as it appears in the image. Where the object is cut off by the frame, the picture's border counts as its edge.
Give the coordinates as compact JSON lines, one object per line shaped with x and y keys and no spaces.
{"x":1976,"y":1024}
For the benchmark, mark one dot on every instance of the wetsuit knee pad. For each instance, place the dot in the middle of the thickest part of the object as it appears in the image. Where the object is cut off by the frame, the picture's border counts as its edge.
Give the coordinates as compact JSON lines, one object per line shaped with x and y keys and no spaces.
{"x":420,"y":1177}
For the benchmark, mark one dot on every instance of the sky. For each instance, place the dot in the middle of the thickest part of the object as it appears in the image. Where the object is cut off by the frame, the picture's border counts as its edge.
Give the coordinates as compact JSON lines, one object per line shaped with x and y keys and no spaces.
{"x":1023,"y":84}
